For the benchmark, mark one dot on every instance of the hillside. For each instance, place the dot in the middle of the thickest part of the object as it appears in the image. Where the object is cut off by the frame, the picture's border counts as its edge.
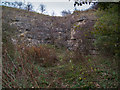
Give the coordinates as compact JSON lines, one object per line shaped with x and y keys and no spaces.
{"x":34,"y":29}
{"x":49,"y":51}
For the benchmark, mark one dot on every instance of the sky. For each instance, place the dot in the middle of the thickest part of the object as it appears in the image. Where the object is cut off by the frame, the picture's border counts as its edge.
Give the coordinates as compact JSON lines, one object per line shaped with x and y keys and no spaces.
{"x":56,"y":6}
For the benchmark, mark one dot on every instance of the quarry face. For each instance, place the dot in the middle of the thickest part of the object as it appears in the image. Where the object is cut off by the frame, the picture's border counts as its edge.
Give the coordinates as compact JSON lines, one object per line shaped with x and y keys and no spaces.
{"x":72,"y":32}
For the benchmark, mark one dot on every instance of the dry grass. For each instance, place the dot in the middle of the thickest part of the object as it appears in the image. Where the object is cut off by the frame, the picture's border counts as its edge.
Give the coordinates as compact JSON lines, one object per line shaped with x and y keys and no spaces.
{"x":41,"y":55}
{"x":21,"y":71}
{"x":75,"y":70}
{"x":18,"y":72}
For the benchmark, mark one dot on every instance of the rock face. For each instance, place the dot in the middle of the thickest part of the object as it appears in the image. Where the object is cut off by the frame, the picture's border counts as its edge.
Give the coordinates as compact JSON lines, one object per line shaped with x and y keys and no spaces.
{"x":82,"y":19}
{"x":71,"y":32}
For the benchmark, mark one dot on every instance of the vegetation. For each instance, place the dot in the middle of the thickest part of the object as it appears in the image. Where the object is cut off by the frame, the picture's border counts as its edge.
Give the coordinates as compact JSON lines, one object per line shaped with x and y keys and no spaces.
{"x":72,"y":70}
{"x":64,"y":12}
{"x":29,"y":6}
{"x":47,"y":66}
{"x":107,"y":30}
{"x":42,"y":7}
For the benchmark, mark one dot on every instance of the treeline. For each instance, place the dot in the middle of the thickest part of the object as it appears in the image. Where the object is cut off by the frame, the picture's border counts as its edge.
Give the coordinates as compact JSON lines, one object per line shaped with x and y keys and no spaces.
{"x":20,"y":5}
{"x":29,"y":7}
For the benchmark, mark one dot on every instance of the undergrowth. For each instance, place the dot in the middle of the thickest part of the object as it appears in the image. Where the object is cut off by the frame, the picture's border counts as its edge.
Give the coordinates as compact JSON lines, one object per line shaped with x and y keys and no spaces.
{"x":72,"y":70}
{"x":46,"y":66}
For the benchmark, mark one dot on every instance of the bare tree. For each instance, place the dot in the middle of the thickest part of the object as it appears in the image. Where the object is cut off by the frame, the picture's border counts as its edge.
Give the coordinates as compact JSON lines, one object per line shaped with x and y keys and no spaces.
{"x":53,"y":13}
{"x":15,"y":4}
{"x":75,"y":9}
{"x":64,"y":12}
{"x":29,"y":6}
{"x":42,"y":7}
{"x":19,"y":4}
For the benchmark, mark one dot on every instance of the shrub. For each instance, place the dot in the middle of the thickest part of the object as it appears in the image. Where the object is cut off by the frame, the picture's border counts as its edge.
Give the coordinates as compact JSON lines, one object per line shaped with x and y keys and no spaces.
{"x":22,"y":70}
{"x":18,"y":72}
{"x":42,"y":55}
{"x":107,"y":31}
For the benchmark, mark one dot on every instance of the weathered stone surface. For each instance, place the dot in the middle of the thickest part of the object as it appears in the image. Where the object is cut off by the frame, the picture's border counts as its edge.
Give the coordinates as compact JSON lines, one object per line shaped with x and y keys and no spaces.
{"x":71,"y":31}
{"x":16,"y":19}
{"x":82,"y":19}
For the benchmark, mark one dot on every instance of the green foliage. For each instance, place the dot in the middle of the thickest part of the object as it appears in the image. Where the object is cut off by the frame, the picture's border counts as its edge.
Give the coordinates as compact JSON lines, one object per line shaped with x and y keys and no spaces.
{"x":104,"y":5}
{"x":107,"y":30}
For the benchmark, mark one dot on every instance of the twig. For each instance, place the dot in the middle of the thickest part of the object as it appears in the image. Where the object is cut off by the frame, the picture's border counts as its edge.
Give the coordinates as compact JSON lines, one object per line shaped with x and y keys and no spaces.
{"x":11,"y":59}
{"x":9,"y":77}
{"x":6,"y":83}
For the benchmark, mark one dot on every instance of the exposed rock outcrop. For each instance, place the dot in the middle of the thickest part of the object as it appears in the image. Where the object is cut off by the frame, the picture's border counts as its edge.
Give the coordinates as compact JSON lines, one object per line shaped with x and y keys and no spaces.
{"x":71,"y":31}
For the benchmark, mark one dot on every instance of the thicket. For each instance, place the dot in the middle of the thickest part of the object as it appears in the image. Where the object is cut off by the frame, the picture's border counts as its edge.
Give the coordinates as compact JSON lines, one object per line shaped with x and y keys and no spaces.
{"x":107,"y":31}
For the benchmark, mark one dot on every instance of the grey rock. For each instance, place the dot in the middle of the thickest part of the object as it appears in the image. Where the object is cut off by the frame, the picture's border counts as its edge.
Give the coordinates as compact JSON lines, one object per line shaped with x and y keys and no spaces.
{"x":82,"y":19}
{"x":27,"y":29}
{"x":15,"y":20}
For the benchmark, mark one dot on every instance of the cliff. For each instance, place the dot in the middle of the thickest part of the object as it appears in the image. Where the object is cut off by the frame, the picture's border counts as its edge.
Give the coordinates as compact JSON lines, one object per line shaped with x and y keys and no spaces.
{"x":72,"y":31}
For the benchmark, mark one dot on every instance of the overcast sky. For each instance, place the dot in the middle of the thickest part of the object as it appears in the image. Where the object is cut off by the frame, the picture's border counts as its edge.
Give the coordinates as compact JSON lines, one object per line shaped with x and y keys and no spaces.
{"x":55,"y":6}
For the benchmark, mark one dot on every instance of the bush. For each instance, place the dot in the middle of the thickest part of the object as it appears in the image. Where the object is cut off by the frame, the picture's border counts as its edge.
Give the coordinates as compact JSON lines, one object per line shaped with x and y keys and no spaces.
{"x":107,"y":31}
{"x":23,"y":70}
{"x":42,"y":55}
{"x":18,"y":72}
